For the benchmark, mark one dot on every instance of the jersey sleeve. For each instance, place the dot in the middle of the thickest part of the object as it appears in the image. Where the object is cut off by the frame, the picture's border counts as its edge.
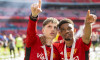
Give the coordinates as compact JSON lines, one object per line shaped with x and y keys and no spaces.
{"x":85,"y":46}
{"x":31,"y":32}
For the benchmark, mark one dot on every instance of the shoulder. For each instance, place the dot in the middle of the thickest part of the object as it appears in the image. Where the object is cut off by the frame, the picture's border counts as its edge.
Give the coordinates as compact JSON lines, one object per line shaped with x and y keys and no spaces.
{"x":42,"y":39}
{"x":40,"y":35}
{"x":79,"y":39}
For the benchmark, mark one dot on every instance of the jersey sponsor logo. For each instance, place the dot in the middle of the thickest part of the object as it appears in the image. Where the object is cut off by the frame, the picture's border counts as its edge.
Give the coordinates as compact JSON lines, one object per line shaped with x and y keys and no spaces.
{"x":41,"y":56}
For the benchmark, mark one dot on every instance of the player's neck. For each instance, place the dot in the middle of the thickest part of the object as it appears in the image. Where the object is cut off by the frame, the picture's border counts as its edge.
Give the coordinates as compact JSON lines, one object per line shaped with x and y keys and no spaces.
{"x":48,"y":41}
{"x":69,"y":43}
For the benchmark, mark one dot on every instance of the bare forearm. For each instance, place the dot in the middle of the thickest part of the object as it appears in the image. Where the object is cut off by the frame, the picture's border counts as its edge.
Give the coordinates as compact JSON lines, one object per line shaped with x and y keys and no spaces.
{"x":90,"y":18}
{"x":87,"y":30}
{"x":87,"y":33}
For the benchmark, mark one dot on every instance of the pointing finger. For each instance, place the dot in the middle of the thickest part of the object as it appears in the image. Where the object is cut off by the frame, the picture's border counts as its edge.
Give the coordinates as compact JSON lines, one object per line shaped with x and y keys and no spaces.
{"x":88,"y":13}
{"x":39,"y":3}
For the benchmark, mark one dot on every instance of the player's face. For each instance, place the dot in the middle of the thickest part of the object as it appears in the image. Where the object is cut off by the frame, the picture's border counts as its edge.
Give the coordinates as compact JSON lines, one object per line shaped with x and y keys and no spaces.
{"x":67,"y":31}
{"x":50,"y":30}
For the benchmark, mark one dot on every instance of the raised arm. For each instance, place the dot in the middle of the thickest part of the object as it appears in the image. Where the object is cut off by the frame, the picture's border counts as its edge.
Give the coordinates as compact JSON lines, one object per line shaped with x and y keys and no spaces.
{"x":32,"y":24}
{"x":90,"y":18}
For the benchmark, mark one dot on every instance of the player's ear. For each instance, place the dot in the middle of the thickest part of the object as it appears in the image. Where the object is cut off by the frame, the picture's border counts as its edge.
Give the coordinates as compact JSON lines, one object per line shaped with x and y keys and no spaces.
{"x":43,"y":29}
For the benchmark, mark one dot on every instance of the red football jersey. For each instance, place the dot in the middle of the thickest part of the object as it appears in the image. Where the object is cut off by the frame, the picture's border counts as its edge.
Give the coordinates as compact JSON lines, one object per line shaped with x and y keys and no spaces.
{"x":34,"y":50}
{"x":80,"y":50}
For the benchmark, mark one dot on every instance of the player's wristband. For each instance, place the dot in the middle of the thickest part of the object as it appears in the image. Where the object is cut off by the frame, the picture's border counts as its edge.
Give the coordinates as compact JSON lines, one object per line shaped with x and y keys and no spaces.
{"x":33,"y":18}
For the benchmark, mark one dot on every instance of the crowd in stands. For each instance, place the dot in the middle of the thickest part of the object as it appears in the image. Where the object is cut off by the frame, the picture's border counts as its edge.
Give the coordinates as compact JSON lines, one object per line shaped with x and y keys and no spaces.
{"x":63,"y":1}
{"x":74,"y":1}
{"x":47,"y":12}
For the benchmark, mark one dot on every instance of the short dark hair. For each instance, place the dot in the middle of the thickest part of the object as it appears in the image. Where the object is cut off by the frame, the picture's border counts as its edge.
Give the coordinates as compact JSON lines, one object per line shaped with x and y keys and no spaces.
{"x":65,"y":20}
{"x":50,"y":19}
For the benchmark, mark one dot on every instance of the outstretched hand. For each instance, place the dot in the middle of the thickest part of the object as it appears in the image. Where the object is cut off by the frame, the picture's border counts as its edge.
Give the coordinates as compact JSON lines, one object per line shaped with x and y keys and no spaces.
{"x":90,"y":18}
{"x":36,"y":9}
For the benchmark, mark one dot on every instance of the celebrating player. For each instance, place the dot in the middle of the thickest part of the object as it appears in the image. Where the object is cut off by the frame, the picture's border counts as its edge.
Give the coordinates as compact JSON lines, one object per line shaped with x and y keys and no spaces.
{"x":38,"y":48}
{"x":69,"y":48}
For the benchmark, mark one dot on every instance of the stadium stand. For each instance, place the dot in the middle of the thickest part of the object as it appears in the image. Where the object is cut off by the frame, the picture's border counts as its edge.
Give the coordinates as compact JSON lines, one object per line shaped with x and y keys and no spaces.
{"x":20,"y":13}
{"x":51,"y":0}
{"x":83,"y":1}
{"x":47,"y":12}
{"x":74,"y":1}
{"x":96,"y":1}
{"x":65,"y":1}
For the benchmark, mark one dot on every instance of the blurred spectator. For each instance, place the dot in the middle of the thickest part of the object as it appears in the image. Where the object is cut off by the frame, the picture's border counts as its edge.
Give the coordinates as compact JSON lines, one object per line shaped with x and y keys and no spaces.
{"x":24,"y":39}
{"x":5,"y":43}
{"x":1,"y":38}
{"x":97,"y":34}
{"x":19,"y":43}
{"x":11,"y":45}
{"x":94,"y":39}
{"x":1,"y":43}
